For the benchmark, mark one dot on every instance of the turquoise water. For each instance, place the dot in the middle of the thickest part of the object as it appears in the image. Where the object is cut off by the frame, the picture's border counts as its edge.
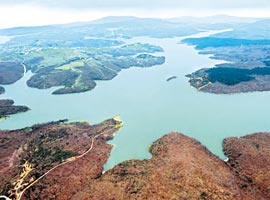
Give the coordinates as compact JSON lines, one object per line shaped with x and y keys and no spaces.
{"x":149,"y":105}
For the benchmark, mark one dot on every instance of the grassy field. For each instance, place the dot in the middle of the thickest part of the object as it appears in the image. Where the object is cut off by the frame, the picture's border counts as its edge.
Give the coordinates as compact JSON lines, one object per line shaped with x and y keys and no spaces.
{"x":71,"y":66}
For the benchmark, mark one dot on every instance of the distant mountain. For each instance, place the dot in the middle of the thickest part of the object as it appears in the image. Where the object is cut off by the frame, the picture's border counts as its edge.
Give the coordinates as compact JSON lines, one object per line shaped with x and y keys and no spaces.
{"x":257,"y":30}
{"x":217,"y":19}
{"x":26,"y":30}
{"x":113,"y":19}
{"x":111,"y":27}
{"x":115,"y":26}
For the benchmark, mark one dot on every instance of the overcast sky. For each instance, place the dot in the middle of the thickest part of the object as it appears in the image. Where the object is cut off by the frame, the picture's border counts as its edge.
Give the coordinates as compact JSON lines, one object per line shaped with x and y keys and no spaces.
{"x":40,"y":12}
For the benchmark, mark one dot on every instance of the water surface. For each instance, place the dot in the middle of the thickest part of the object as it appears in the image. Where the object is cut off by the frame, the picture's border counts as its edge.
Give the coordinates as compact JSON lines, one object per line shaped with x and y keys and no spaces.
{"x":149,"y":105}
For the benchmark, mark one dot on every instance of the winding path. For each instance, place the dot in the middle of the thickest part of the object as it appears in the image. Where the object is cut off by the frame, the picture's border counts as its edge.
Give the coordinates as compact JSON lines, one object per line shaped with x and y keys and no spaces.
{"x":68,"y":161}
{"x":4,"y":197}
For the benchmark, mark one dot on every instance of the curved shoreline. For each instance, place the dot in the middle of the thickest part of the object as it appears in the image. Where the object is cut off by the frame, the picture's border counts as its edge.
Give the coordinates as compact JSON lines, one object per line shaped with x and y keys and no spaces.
{"x":175,"y":157}
{"x":148,"y":115}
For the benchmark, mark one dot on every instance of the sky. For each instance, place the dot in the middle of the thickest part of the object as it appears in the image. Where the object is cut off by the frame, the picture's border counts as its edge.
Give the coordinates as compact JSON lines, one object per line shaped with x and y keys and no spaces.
{"x":40,"y":12}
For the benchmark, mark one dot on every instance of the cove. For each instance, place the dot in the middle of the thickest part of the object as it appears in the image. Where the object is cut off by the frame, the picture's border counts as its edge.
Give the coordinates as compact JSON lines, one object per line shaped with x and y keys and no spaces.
{"x":149,"y":105}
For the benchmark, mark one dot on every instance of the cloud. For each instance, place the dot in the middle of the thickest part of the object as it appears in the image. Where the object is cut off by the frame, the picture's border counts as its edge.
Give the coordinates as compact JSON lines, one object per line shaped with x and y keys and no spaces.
{"x":143,"y":4}
{"x":42,"y":12}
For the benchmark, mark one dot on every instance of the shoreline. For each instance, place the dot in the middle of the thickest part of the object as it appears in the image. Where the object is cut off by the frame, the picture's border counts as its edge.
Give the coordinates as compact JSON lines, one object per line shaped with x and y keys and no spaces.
{"x":178,"y":151}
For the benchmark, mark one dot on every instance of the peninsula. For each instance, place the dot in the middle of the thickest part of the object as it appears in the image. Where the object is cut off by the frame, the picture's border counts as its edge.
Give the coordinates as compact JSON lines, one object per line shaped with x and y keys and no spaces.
{"x":61,"y":160}
{"x":74,"y":63}
{"x":7,"y":108}
{"x":245,"y":53}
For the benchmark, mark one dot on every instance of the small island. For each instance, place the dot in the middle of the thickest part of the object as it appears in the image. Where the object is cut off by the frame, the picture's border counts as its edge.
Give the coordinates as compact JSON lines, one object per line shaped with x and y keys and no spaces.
{"x":171,"y":78}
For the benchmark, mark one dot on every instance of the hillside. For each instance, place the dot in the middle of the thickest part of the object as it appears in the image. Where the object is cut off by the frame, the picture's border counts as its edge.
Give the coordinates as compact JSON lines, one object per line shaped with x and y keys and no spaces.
{"x":65,"y":161}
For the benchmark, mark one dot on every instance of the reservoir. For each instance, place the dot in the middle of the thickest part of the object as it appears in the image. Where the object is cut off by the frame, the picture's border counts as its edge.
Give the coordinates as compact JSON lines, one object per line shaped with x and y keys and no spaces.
{"x":149,"y":105}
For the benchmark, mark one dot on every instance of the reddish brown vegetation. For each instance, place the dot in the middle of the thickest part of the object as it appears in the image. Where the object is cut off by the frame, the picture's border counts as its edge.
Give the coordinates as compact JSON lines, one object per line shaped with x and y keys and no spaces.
{"x":47,"y":146}
{"x":181,"y":168}
{"x":249,"y":157}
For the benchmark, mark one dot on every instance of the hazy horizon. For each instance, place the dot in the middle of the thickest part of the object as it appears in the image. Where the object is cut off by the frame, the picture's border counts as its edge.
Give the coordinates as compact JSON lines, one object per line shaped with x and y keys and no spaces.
{"x":45,"y":12}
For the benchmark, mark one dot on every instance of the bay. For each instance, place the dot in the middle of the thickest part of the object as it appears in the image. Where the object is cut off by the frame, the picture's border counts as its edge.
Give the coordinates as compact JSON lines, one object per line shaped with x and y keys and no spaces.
{"x":149,"y":105}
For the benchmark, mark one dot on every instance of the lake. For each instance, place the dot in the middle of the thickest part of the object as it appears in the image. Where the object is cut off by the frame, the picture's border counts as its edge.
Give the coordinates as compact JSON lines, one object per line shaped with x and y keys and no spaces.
{"x":149,"y":105}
